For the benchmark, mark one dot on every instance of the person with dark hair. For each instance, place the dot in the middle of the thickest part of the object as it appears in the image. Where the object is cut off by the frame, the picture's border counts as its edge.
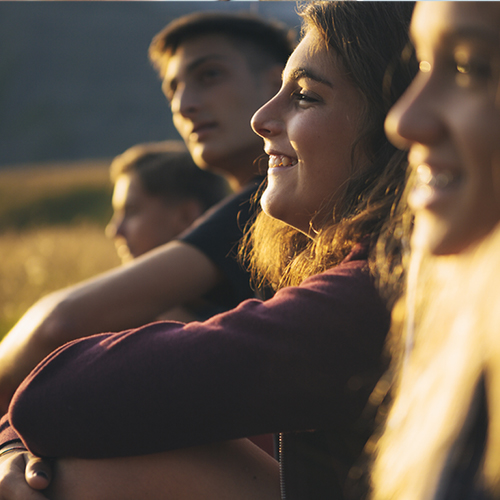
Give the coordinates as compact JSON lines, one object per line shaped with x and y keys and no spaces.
{"x":213,"y":85}
{"x":158,"y":193}
{"x":159,"y":411}
{"x":191,"y":54}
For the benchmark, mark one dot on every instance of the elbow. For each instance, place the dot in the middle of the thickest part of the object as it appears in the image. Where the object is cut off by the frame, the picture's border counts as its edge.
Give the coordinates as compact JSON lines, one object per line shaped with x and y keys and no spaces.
{"x":52,"y":321}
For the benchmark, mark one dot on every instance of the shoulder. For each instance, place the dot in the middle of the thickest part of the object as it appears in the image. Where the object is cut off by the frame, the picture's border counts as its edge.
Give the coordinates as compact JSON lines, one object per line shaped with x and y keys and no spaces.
{"x":228,"y":215}
{"x":353,"y":271}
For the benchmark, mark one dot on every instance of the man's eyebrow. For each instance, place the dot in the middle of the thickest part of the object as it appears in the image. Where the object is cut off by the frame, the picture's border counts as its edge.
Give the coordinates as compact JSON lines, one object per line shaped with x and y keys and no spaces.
{"x":168,"y":84}
{"x":202,"y":60}
{"x":299,"y":73}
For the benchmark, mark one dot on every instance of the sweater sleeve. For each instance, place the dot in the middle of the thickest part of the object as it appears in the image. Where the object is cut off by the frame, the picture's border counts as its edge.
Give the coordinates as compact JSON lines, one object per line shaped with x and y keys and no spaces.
{"x":7,"y":433}
{"x":284,"y":364}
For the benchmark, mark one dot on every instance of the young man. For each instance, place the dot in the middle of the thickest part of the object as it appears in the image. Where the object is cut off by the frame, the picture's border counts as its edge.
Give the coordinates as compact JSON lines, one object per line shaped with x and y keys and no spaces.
{"x":158,"y":193}
{"x":217,"y":70}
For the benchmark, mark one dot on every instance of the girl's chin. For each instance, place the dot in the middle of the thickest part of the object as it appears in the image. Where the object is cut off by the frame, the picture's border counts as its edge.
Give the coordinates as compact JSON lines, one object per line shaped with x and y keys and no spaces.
{"x":435,"y":236}
{"x":270,"y":203}
{"x":275,"y":204}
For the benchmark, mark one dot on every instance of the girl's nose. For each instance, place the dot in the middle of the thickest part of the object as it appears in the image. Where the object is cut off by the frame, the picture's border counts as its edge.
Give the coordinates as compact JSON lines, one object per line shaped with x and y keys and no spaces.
{"x":417,"y":116}
{"x":267,"y":121}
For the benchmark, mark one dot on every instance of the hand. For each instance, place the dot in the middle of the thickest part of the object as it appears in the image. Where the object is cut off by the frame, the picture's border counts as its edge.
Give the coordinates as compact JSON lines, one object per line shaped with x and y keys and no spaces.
{"x":22,"y":476}
{"x":122,"y":298}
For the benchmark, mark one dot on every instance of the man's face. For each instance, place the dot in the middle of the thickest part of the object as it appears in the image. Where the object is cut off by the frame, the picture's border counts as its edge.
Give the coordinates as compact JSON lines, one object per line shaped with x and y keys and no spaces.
{"x":213,"y":94}
{"x":142,"y":221}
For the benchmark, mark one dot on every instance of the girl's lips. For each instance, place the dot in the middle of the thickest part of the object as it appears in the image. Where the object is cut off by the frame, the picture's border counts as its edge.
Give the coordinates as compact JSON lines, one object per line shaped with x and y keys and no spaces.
{"x":433,"y":186}
{"x":281,"y":161}
{"x":436,"y":179}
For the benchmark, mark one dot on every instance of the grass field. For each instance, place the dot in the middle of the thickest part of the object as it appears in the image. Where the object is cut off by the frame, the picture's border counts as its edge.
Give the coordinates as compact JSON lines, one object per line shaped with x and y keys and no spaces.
{"x":52,"y":220}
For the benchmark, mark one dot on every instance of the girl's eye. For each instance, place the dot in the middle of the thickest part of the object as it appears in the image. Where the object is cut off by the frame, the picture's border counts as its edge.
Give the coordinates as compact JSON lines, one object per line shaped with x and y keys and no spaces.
{"x":471,"y":70}
{"x":474,"y":68}
{"x":303,"y":97}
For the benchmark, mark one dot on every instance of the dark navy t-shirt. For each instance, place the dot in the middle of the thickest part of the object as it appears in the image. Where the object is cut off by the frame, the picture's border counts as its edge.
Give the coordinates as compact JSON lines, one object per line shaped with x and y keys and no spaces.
{"x":217,"y":234}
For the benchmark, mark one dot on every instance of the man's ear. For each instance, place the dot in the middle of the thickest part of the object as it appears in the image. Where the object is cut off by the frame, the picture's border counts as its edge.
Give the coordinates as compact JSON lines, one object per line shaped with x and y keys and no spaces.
{"x":189,"y":210}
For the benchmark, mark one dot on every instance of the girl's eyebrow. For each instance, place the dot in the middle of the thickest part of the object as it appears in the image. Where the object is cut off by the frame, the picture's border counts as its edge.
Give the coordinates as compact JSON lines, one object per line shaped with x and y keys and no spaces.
{"x":465,"y":32}
{"x":475,"y":32}
{"x":298,"y":73}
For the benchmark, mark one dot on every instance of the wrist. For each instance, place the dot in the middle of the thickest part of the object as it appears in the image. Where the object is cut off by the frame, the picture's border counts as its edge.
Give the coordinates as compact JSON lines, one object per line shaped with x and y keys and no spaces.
{"x":12,"y":447}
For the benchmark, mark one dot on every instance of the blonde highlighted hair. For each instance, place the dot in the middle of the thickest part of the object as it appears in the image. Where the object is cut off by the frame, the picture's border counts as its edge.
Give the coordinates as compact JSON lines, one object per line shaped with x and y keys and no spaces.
{"x":450,"y":337}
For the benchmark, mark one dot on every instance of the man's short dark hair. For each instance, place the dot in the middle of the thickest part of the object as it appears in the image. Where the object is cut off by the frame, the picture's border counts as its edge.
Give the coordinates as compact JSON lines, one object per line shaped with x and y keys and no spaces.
{"x":271,"y":42}
{"x":167,"y":170}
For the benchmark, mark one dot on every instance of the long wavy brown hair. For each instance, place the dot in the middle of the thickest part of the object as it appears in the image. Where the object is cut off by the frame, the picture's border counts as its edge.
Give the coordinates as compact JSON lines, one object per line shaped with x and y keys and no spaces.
{"x":371,"y":40}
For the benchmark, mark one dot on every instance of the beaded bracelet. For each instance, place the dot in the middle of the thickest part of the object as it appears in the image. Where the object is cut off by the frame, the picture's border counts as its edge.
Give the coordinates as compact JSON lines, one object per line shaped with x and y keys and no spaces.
{"x":12,"y":448}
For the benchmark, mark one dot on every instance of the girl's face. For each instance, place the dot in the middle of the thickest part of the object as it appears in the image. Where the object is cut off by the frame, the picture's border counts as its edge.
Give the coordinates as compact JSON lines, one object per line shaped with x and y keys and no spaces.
{"x":450,"y":120}
{"x":308,"y":128}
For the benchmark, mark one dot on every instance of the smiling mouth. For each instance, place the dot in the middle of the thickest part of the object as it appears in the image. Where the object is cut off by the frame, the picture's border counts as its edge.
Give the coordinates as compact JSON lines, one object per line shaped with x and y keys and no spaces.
{"x":436,"y":180}
{"x":434,"y":188}
{"x":281,"y":161}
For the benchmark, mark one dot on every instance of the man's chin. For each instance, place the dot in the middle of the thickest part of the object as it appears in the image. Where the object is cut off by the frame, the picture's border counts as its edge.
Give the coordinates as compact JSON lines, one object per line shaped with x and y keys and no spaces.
{"x":206,"y":159}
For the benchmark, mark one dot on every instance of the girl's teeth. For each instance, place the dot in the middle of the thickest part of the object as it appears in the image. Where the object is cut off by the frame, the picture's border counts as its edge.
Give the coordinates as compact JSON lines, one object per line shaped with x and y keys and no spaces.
{"x":274,"y":161}
{"x":281,"y":161}
{"x":440,"y":180}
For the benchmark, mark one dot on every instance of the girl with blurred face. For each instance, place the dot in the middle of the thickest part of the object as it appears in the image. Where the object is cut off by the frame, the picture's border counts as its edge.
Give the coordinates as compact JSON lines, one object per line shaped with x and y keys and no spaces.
{"x":442,"y":438}
{"x":449,"y":119}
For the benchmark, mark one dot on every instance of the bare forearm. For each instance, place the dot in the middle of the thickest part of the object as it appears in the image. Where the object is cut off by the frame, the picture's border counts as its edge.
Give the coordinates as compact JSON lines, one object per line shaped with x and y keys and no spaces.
{"x":235,"y":470}
{"x":135,"y":294}
{"x":122,"y":298}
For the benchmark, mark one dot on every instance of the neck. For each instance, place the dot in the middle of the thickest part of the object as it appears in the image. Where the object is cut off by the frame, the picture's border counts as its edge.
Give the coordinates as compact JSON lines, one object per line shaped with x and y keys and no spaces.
{"x":241,"y":168}
{"x":238,"y":182}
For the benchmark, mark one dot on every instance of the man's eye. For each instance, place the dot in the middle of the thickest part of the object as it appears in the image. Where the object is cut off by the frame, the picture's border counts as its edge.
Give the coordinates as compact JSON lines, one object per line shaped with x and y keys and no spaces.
{"x":210,"y":75}
{"x":131,"y":211}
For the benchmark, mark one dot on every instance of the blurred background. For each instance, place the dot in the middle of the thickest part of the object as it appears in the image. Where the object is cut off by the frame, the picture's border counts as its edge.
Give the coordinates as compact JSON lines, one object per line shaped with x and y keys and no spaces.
{"x":76,"y":89}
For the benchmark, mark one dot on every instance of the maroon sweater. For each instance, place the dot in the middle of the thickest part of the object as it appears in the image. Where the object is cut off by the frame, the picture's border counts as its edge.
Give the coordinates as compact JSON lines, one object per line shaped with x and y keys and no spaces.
{"x":305,"y":359}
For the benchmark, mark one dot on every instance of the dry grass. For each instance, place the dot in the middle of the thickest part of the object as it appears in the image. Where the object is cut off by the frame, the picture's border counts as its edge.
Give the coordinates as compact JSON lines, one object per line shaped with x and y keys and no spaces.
{"x":39,"y":259}
{"x":21,"y":184}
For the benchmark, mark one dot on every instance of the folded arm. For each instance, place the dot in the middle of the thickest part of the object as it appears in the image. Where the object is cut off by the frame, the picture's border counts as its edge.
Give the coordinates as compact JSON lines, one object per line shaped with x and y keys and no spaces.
{"x":284,"y":364}
{"x":122,"y":298}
